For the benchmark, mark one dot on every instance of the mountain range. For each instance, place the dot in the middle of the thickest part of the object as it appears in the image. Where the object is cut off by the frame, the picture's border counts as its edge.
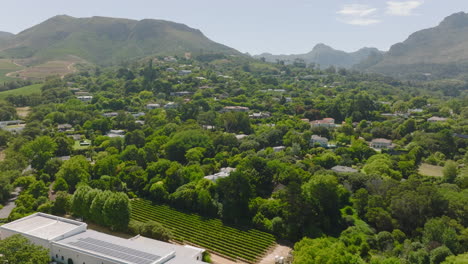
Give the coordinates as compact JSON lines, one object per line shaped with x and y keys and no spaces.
{"x":324,"y":56}
{"x":5,"y":36}
{"x":441,"y":51}
{"x":104,"y":40}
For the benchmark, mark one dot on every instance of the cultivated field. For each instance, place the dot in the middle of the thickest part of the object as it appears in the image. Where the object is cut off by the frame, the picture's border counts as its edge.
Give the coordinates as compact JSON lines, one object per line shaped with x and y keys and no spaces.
{"x":8,"y":66}
{"x":248,"y":245}
{"x":49,"y":68}
{"x":430,"y":170}
{"x":27,"y":90}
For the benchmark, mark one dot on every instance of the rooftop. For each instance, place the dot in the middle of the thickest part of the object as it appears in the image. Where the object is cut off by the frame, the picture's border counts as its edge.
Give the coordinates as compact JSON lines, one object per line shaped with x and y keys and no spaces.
{"x":381,"y":140}
{"x":223,"y":173}
{"x":44,"y":226}
{"x":343,"y":169}
{"x":437,"y":118}
{"x":116,"y":248}
{"x":183,"y":254}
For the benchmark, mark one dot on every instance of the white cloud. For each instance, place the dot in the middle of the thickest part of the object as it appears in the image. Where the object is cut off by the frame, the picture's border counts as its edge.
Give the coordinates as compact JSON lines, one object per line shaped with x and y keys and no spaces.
{"x":404,"y":8}
{"x":356,"y":14}
{"x":357,"y":10}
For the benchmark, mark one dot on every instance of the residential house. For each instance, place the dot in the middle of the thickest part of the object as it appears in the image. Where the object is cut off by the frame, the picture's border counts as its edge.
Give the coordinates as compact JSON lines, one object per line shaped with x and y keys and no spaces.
{"x":326,"y":122}
{"x":185,"y":72}
{"x":223,"y":173}
{"x":64,"y":127}
{"x":343,"y":169}
{"x":260,"y":115}
{"x":116,"y":133}
{"x":381,"y":143}
{"x":153,"y":106}
{"x":435,"y":119}
{"x":183,"y":93}
{"x":235,"y":109}
{"x":171,"y":105}
{"x":110,"y":114}
{"x":279,"y":148}
{"x":85,"y":98}
{"x":316,"y":139}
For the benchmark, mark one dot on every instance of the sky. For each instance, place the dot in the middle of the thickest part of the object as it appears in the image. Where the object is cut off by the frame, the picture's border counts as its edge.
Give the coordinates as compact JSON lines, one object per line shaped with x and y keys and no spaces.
{"x":256,"y":26}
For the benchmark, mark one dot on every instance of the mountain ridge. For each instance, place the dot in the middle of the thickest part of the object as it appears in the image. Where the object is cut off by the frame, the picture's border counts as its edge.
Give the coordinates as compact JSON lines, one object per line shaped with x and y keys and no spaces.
{"x":107,"y":40}
{"x":441,"y":51}
{"x":325,"y":56}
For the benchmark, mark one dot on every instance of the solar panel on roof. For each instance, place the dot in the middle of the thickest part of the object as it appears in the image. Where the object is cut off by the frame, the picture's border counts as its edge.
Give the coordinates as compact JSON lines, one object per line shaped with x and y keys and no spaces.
{"x":115,"y":251}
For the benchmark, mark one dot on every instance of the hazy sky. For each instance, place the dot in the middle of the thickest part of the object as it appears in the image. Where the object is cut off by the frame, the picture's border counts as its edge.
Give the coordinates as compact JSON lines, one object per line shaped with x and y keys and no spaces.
{"x":255,"y":26}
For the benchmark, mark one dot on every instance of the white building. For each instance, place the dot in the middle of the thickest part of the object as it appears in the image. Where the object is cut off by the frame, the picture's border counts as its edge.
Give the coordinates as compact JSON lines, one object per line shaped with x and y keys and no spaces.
{"x":326,"y":122}
{"x":116,"y":133}
{"x":381,"y":143}
{"x":223,"y":173}
{"x":69,"y":241}
{"x":435,"y":119}
{"x":153,"y":106}
{"x":234,"y":109}
{"x":171,"y":105}
{"x":85,"y":98}
{"x":343,"y":169}
{"x":322,"y":141}
{"x":279,"y":148}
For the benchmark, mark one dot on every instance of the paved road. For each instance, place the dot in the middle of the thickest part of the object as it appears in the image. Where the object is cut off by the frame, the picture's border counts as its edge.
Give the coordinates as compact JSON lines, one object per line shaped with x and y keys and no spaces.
{"x":6,"y":210}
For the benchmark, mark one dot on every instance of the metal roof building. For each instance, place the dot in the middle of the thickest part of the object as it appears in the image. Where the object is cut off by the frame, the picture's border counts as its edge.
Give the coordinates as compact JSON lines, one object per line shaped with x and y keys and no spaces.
{"x":70,"y":240}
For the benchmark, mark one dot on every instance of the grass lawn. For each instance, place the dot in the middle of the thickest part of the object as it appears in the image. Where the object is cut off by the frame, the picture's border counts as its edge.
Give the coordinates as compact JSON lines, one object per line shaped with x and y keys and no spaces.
{"x":27,"y":90}
{"x":77,"y":145}
{"x":430,"y":170}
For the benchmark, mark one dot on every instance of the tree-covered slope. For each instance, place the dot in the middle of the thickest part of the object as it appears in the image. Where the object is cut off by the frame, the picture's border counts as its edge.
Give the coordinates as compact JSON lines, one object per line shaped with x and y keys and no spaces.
{"x":324,"y":56}
{"x":104,"y":40}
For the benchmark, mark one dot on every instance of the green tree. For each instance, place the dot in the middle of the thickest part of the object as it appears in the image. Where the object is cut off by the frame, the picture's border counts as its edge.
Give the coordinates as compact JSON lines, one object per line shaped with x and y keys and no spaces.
{"x":439,"y":254}
{"x":438,"y":230}
{"x":323,"y":200}
{"x":97,"y":205}
{"x":235,"y":192}
{"x":116,"y":211}
{"x":60,"y":185}
{"x":62,"y":203}
{"x":74,"y":171}
{"x":37,"y":189}
{"x":450,"y":171}
{"x":323,"y":250}
{"x":78,"y":206}
{"x":18,"y":249}
{"x":185,"y":140}
{"x":39,"y":151}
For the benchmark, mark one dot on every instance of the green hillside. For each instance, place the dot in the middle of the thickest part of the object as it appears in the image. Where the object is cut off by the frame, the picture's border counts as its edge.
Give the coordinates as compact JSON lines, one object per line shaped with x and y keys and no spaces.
{"x":105,"y":41}
{"x":27,"y":90}
{"x":4,"y":37}
{"x":441,"y":51}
